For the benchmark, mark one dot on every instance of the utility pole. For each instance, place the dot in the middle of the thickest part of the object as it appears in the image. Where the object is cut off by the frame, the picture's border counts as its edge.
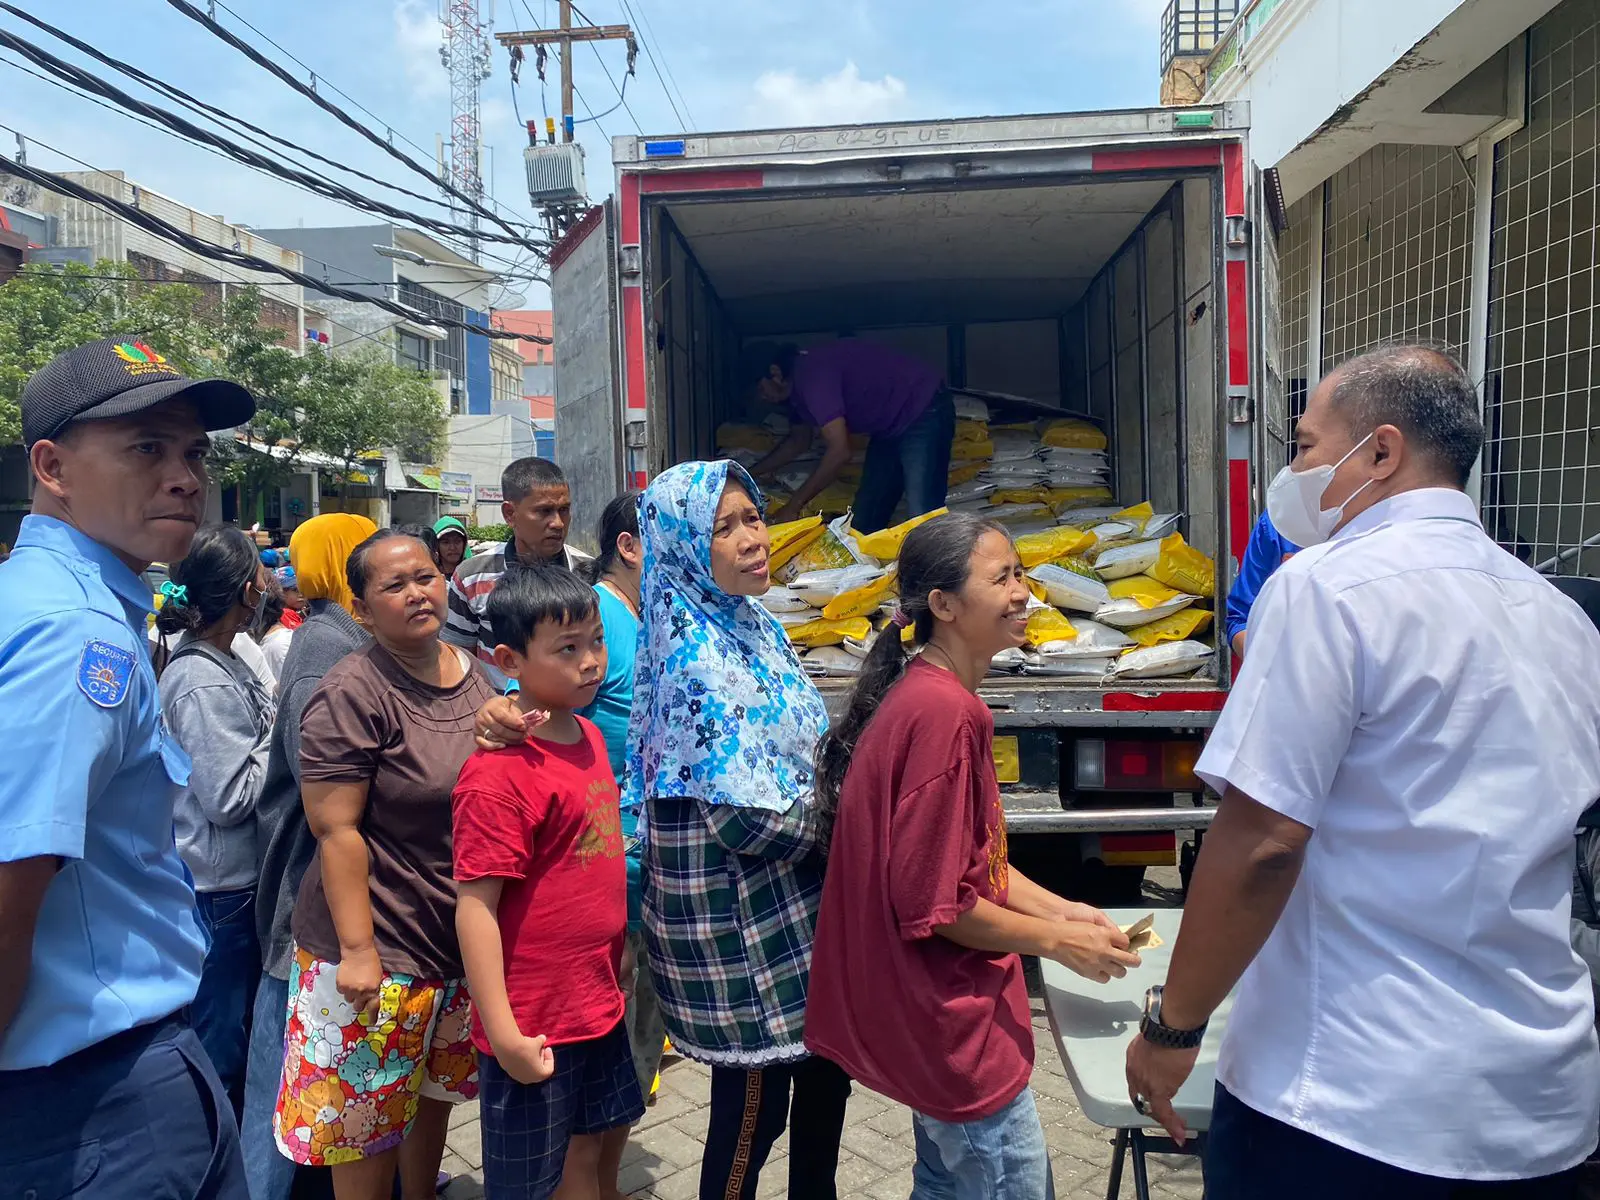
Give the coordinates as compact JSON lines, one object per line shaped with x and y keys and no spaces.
{"x":565,"y":36}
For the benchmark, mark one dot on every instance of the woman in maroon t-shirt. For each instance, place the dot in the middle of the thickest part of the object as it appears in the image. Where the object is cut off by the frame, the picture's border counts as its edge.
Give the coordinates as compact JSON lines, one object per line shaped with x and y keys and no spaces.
{"x":916,"y":979}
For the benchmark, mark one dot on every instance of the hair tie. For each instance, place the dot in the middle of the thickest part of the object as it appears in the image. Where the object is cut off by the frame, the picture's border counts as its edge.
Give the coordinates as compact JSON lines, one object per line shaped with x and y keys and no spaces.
{"x":900,"y":619}
{"x":174,"y":594}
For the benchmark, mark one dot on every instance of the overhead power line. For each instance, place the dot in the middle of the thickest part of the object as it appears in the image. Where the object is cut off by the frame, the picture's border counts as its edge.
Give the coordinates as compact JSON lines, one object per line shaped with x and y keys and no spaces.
{"x":642,"y":21}
{"x":322,"y":187}
{"x":649,"y":55}
{"x":261,"y":60}
{"x":210,"y":110}
{"x":169,"y":232}
{"x":517,"y":264}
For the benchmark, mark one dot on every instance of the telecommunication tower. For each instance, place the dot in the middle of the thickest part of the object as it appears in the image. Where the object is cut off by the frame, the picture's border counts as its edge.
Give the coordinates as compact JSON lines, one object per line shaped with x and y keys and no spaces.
{"x":466,"y":56}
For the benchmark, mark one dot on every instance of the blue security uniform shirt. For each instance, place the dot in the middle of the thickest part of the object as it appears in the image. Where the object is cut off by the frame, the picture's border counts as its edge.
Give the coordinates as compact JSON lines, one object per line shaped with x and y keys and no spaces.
{"x":610,"y":710}
{"x":1263,"y":555}
{"x":89,"y":777}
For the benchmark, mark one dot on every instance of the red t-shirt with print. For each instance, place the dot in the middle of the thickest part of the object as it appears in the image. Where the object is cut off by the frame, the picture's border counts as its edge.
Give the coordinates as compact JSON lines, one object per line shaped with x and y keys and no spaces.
{"x":920,"y":838}
{"x":544,"y":817}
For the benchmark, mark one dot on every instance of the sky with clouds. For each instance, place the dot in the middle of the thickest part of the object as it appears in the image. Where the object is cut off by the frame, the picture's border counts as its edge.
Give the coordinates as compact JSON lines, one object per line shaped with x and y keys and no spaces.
{"x":748,"y":63}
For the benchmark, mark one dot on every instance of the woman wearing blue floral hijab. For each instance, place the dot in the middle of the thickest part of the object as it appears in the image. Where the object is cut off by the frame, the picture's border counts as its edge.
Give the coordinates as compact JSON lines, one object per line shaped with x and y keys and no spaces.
{"x":721,"y":744}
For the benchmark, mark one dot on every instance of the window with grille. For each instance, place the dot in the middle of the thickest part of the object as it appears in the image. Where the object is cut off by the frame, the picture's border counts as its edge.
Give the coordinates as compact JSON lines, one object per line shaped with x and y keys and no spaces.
{"x":1397,"y":257}
{"x":1541,"y":486}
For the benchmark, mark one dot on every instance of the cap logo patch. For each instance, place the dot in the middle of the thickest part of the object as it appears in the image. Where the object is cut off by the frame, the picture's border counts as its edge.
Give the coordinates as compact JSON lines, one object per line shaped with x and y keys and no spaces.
{"x":139,"y":359}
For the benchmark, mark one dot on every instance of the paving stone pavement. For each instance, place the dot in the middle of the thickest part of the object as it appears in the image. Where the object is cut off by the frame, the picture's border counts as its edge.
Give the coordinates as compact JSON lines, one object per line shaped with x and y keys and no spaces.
{"x":663,"y":1157}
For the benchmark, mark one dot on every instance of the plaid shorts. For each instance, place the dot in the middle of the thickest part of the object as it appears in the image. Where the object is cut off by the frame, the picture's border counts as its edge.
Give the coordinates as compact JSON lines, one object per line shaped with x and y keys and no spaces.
{"x":526,"y":1127}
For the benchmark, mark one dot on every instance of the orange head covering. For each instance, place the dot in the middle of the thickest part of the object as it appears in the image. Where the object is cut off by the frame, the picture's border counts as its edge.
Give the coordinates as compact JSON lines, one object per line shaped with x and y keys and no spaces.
{"x":318,"y":550}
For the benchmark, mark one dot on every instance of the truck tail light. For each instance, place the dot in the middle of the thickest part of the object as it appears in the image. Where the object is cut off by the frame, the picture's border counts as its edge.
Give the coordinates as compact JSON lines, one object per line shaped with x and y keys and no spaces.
{"x":1136,"y":766}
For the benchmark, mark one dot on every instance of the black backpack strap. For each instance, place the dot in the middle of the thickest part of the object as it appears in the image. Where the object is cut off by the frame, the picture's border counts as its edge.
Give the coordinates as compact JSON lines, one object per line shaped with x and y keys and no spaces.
{"x":1591,"y":817}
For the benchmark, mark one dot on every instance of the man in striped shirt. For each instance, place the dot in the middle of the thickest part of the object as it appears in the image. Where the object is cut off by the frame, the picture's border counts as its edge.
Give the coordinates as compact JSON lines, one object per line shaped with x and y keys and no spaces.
{"x":537,"y":504}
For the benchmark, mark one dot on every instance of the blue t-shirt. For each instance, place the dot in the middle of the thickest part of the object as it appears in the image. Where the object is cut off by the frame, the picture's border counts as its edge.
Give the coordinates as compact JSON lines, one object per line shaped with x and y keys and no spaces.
{"x":1263,"y":555}
{"x":91,"y":778}
{"x":610,"y":711}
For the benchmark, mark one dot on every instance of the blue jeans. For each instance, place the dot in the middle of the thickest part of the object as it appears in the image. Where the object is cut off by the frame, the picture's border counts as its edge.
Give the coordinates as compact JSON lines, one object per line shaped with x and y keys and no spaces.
{"x":222,"y":1006}
{"x":916,"y":465}
{"x":1002,"y":1157}
{"x":271,"y":1174}
{"x":140,"y":1114}
{"x":1251,"y":1156}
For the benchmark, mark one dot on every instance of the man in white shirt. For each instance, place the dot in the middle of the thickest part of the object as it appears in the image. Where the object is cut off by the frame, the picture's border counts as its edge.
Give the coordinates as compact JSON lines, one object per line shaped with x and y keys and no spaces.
{"x":1402,"y":761}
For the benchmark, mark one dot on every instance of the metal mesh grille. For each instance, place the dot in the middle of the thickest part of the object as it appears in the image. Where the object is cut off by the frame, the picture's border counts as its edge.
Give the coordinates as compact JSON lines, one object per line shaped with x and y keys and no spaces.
{"x":1542,"y":470}
{"x":1397,"y":258}
{"x":1294,"y":266}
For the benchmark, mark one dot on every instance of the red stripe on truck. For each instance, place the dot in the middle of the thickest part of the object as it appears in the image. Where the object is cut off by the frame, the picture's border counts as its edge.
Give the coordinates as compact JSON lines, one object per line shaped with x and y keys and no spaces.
{"x":1238,"y":507}
{"x":1199,"y":155}
{"x":630,"y":210}
{"x":1233,"y":179}
{"x":1162,"y":701}
{"x":573,"y":237}
{"x":705,"y":181}
{"x":1238,"y":285}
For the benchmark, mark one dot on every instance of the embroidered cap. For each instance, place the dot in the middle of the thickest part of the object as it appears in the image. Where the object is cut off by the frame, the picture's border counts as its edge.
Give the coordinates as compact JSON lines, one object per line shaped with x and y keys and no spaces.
{"x":118,"y":377}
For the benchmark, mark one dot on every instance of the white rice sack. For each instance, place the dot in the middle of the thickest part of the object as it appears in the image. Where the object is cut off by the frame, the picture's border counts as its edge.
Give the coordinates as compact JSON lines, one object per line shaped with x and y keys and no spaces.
{"x":1166,"y":661}
{"x":816,"y":588}
{"x":778,"y":421}
{"x":829,"y":661}
{"x":780,"y":599}
{"x":800,"y":617}
{"x":1094,"y":640}
{"x":977,"y":490}
{"x":970,"y":408}
{"x":1024,"y":528}
{"x":1128,"y":613}
{"x":1008,"y":661}
{"x":1087,"y":516}
{"x":1121,"y":561}
{"x":745,"y":458}
{"x":1067,"y":668}
{"x":1161,"y":524}
{"x":1013,"y":514}
{"x":1069,"y":590}
{"x":1058,"y":456}
{"x":859,"y":647}
{"x":1008,"y":447}
{"x":1068,"y":478}
{"x":1016,"y":473}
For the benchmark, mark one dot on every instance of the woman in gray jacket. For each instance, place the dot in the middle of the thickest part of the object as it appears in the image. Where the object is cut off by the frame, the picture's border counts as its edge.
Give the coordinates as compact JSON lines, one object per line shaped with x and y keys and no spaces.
{"x":221,"y":714}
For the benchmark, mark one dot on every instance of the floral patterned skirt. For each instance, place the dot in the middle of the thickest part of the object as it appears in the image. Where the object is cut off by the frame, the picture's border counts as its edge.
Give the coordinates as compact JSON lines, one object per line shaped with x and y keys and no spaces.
{"x":351,"y":1082}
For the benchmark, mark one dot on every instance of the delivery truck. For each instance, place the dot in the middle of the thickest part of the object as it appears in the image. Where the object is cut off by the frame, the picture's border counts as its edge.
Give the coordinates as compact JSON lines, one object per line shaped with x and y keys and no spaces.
{"x":1118,"y":265}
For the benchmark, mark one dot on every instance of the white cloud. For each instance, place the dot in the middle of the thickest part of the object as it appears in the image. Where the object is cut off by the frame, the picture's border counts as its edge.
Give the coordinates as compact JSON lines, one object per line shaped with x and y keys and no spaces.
{"x":417,"y":36}
{"x":784,"y":98}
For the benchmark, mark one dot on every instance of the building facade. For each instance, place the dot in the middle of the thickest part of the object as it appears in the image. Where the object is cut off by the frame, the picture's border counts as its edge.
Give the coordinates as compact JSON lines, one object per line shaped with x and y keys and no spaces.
{"x":538,"y":370}
{"x":1438,"y":161}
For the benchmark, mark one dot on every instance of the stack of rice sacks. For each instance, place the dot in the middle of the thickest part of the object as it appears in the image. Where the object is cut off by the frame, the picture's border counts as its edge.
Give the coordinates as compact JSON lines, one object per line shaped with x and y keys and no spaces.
{"x":1117,"y":593}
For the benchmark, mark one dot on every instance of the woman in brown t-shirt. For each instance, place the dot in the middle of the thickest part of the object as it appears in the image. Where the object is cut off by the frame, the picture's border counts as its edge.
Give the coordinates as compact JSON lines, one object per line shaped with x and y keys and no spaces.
{"x":377,"y":1047}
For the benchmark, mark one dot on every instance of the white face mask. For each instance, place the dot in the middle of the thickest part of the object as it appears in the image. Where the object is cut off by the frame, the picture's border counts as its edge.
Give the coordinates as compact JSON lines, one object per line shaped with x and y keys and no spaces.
{"x":1294,"y":502}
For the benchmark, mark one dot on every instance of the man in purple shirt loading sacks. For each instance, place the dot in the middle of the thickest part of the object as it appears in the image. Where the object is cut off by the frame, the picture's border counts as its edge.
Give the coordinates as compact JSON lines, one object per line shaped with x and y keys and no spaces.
{"x":849,"y":386}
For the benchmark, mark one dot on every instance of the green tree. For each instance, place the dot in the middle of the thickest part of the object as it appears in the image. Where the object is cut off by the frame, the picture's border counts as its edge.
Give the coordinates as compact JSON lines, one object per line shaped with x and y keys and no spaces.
{"x":355,"y":405}
{"x":45,"y":310}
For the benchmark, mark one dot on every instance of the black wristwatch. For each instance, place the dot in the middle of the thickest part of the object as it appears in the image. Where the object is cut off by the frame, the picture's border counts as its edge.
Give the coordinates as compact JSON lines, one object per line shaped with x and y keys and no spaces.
{"x":1165,"y":1036}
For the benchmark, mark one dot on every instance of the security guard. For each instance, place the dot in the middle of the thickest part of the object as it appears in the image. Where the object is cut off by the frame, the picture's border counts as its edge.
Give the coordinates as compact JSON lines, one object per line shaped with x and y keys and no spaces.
{"x":104,"y":1089}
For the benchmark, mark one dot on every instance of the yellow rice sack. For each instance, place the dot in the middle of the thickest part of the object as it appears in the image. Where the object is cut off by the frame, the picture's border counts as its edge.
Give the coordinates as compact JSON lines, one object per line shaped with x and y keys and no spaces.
{"x":1148,"y":592}
{"x":884,"y":545}
{"x":823,"y":632}
{"x":972,"y":451}
{"x":1176,"y":628}
{"x":1062,"y":499}
{"x":1136,"y":514}
{"x":1181,"y":566}
{"x":791,"y":537}
{"x":963,"y":473}
{"x":1036,"y":548}
{"x":858,"y":602}
{"x":971,"y":431}
{"x":835,"y":498}
{"x":1020,"y":496}
{"x":1069,"y":433}
{"x":1049,"y":625}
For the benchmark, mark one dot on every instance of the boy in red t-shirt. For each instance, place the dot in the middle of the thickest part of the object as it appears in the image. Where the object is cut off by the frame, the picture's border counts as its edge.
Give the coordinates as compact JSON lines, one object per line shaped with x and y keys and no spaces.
{"x":542,"y":910}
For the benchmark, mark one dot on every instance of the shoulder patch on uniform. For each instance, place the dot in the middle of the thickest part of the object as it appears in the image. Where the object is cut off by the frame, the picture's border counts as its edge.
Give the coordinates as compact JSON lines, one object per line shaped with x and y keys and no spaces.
{"x":104,"y":672}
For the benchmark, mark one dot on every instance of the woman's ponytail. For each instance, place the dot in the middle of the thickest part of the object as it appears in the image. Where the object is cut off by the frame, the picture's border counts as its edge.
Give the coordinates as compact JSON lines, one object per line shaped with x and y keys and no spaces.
{"x":934,"y":558}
